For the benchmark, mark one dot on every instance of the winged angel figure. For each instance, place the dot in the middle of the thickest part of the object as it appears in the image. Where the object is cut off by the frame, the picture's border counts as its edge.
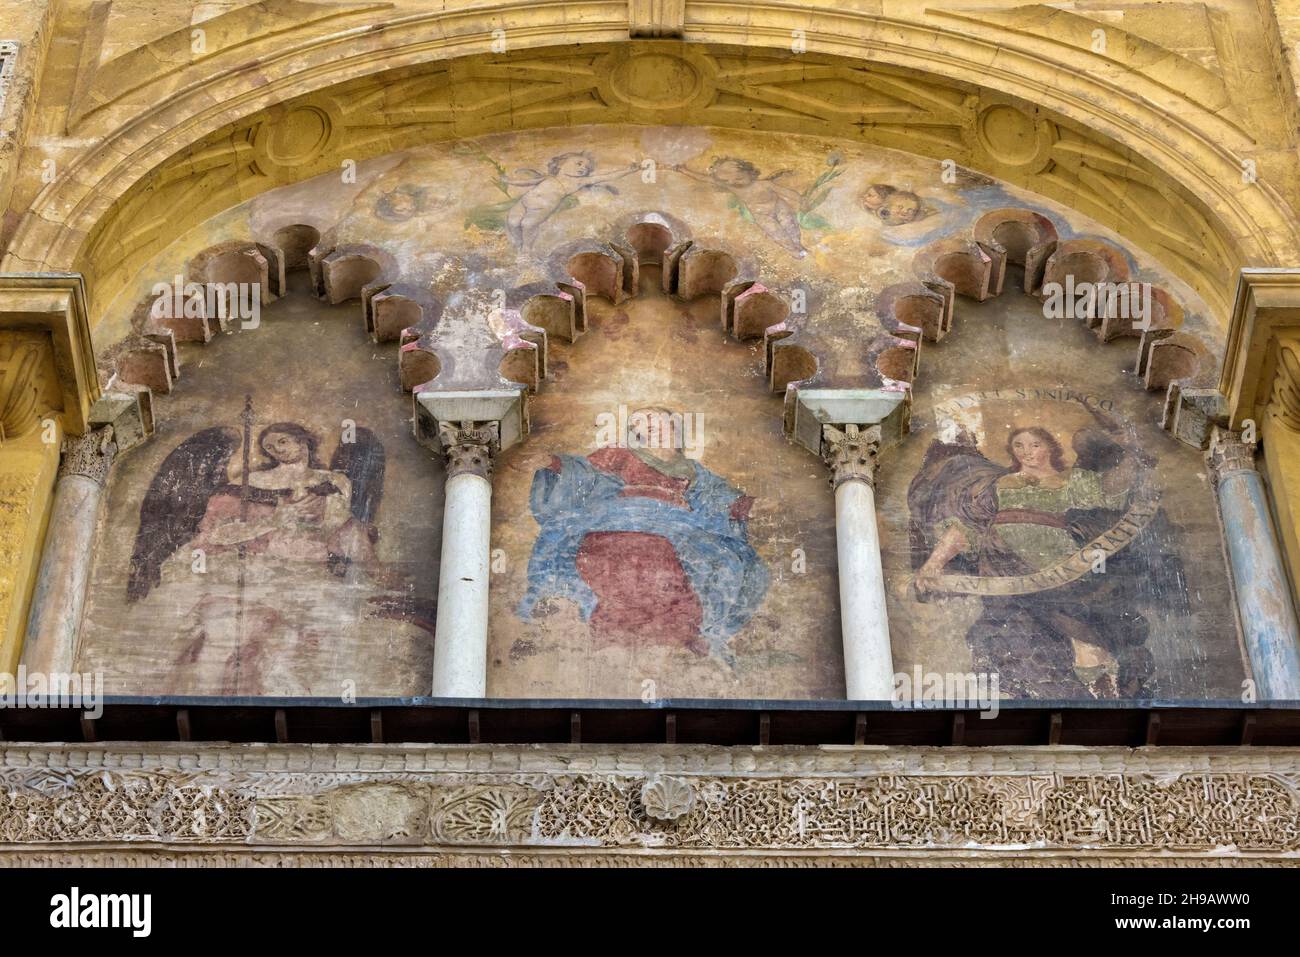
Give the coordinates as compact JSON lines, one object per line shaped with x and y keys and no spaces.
{"x":1055,"y":622}
{"x":269,"y":564}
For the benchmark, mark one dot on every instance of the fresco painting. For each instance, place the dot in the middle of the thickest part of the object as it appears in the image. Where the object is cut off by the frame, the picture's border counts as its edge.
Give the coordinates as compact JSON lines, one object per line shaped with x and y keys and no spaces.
{"x":628,"y":569}
{"x":771,"y":202}
{"x":258,"y":545}
{"x":1049,"y":533}
{"x":668,"y":561}
{"x":649,"y":545}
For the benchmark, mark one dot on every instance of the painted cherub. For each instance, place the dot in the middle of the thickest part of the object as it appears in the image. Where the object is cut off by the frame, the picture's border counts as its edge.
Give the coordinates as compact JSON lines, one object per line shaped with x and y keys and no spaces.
{"x":566,"y":175}
{"x":771,"y":205}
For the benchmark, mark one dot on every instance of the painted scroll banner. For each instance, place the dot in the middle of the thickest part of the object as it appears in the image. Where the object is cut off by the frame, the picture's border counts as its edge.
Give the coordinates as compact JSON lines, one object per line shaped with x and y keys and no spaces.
{"x":1070,"y":569}
{"x":975,"y":416}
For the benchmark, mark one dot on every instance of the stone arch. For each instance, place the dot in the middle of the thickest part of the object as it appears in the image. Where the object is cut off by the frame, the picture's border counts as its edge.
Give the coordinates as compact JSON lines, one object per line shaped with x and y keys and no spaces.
{"x":1016,"y":231}
{"x":963,"y":263}
{"x":296,"y":240}
{"x":340,"y":273}
{"x":1167,"y":358}
{"x":650,"y":236}
{"x":599,"y":270}
{"x":311,"y":93}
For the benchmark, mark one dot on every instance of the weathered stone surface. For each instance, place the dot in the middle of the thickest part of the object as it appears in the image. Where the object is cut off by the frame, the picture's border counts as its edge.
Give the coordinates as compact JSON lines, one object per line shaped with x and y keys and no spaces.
{"x":388,"y":804}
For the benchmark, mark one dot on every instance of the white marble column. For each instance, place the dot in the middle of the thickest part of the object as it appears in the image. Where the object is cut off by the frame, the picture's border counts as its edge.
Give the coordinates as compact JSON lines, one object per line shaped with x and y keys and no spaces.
{"x":60,"y":594}
{"x":460,"y":641}
{"x":850,"y":452}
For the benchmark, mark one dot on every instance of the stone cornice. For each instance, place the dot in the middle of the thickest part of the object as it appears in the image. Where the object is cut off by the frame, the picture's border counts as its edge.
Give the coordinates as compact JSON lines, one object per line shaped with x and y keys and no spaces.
{"x":1267,"y":305}
{"x":56,"y":304}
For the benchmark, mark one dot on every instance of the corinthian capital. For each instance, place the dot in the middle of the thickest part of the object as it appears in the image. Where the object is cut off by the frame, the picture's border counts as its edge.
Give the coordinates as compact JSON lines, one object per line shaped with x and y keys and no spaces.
{"x":850,"y":453}
{"x":469,"y":447}
{"x":1229,"y":452}
{"x":90,"y":455}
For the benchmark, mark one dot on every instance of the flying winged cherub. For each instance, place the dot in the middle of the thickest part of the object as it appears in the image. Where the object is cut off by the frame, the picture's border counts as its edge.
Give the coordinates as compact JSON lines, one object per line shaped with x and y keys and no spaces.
{"x":547,"y":193}
{"x":773,"y":206}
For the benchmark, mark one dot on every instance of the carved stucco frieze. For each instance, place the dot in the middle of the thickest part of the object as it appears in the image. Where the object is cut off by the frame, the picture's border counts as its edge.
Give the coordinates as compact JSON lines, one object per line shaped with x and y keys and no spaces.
{"x":667,"y":798}
{"x":716,"y":801}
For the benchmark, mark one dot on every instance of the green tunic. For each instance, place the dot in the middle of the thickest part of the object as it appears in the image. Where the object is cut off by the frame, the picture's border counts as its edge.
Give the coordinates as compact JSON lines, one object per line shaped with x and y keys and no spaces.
{"x":1037,"y":545}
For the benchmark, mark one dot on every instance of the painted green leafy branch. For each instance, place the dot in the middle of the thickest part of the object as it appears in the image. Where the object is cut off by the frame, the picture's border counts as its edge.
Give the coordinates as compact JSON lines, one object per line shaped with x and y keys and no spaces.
{"x":490,"y":217}
{"x":810,"y":198}
{"x":817,"y":193}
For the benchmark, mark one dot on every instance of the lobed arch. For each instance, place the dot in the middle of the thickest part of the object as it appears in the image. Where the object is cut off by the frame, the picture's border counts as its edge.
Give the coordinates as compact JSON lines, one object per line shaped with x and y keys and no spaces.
{"x":507,"y":342}
{"x":1168,"y":357}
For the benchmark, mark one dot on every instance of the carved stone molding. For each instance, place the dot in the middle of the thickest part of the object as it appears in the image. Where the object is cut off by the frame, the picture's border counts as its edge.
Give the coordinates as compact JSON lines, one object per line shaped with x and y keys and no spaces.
{"x":1284,"y":404}
{"x":20,"y":384}
{"x":850,"y":453}
{"x":680,"y":805}
{"x":8,"y":56}
{"x":90,"y":455}
{"x":469,"y":447}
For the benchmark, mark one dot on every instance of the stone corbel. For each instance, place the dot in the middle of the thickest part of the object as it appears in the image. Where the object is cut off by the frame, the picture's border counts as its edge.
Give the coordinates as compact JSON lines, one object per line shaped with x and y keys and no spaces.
{"x":847,"y":429}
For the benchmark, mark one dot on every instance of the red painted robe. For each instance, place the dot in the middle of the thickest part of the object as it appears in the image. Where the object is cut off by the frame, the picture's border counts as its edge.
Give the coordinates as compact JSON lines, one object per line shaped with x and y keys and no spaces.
{"x":643,"y":593}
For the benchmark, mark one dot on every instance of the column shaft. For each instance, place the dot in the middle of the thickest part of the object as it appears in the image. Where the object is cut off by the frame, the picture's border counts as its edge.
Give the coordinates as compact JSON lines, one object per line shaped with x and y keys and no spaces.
{"x":1268,"y":620}
{"x":1265,"y":609}
{"x":864,"y":623}
{"x":60,"y":594}
{"x":460,"y":637}
{"x":59,"y":597}
{"x":868,"y":659}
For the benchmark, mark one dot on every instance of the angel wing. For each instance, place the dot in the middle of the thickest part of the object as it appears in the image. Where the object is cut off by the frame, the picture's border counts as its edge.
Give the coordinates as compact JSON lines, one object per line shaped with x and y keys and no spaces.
{"x":523,"y":177}
{"x":362,"y":462}
{"x":176,"y":501}
{"x":956,"y":480}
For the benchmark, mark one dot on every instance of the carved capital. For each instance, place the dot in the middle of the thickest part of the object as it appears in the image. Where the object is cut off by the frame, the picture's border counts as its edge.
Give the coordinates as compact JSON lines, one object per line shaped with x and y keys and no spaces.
{"x":1229,"y":453}
{"x":90,"y":455}
{"x":469,"y":447}
{"x":850,"y":453}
